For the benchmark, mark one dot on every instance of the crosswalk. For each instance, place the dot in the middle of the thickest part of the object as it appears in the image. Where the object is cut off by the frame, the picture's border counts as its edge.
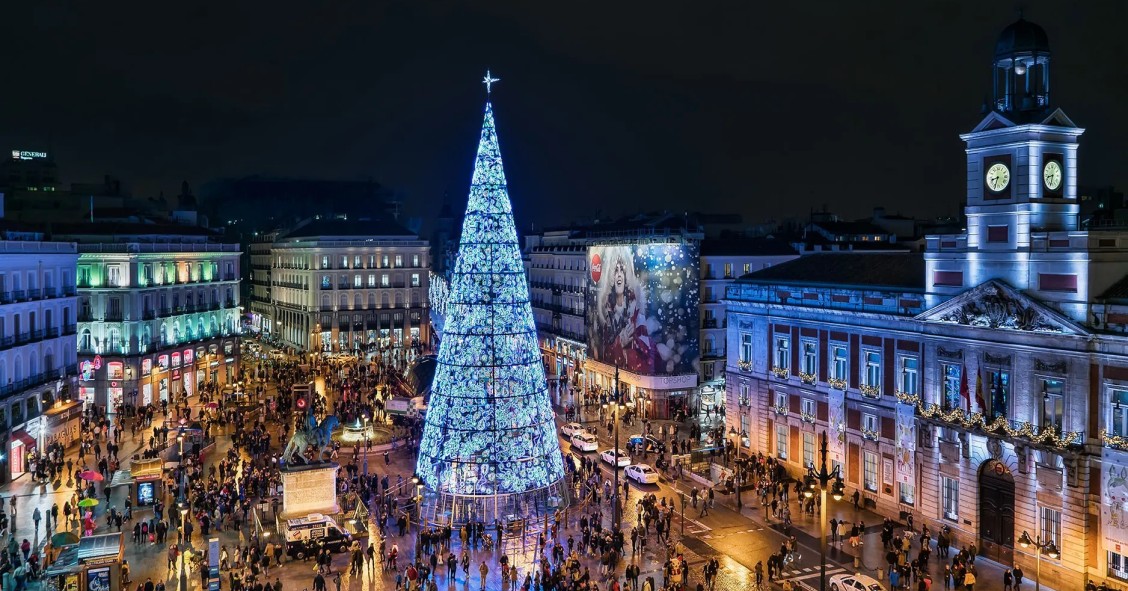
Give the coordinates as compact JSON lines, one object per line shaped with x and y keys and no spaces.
{"x":810,"y":572}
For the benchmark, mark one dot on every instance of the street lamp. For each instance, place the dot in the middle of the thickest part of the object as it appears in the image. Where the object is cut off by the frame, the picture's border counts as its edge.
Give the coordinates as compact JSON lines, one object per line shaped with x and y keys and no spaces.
{"x":183,"y":581}
{"x":1048,"y":547}
{"x":615,"y":465}
{"x":820,"y":480}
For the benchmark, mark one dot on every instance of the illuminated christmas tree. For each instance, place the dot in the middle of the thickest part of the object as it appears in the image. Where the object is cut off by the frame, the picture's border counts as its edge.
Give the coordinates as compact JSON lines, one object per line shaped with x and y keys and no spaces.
{"x":489,"y":429}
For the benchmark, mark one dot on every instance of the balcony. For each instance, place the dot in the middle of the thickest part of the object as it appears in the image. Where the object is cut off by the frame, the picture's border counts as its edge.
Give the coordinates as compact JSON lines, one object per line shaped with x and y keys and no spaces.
{"x":709,"y":323}
{"x":1048,"y":436}
{"x":34,"y":294}
{"x":23,"y":338}
{"x":229,"y":277}
{"x":85,"y":316}
{"x":19,"y":295}
{"x":70,"y":329}
{"x":229,"y":304}
{"x":213,"y":306}
{"x":52,"y":332}
{"x":30,"y":382}
{"x":148,"y":315}
{"x":114,"y":316}
{"x":6,"y":297}
{"x":166,"y":311}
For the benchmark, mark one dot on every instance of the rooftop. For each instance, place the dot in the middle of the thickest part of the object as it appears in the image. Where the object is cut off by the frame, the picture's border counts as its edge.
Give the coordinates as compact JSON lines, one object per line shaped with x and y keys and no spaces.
{"x":1116,"y":292}
{"x":351,"y":229}
{"x":746,"y":247}
{"x":900,"y":270}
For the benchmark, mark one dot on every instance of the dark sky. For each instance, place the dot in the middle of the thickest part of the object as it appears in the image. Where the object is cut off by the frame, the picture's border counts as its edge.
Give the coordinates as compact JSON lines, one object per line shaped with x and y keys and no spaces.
{"x":766,"y":109}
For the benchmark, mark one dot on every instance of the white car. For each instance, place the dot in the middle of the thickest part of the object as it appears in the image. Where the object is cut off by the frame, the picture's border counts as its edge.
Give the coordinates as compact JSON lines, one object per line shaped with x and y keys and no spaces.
{"x":571,"y":429}
{"x":585,"y":441}
{"x":854,"y":583}
{"x":642,"y":474}
{"x":616,"y":458}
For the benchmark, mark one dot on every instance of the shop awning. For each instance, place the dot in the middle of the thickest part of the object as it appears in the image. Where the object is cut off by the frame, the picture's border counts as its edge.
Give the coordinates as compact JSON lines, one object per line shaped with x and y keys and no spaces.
{"x":94,"y":547}
{"x":121,"y":478}
{"x":22,"y":436}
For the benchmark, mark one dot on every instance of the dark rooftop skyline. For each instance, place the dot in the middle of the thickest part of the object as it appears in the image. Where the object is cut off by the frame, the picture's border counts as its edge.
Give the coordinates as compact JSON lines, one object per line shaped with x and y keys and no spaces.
{"x":761,"y":110}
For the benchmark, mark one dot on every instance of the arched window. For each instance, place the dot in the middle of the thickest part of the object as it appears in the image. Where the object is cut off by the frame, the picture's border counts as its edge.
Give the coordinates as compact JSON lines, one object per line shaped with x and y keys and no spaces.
{"x":371,"y":300}
{"x":357,"y":302}
{"x":325,"y":302}
{"x":84,"y":342}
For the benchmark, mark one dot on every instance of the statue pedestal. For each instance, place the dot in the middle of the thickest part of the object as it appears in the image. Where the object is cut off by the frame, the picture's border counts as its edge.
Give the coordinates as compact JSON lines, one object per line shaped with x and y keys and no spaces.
{"x":309,"y":489}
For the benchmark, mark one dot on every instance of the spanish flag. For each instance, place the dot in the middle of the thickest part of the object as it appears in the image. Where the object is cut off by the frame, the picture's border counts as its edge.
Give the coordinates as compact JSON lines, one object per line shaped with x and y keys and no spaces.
{"x":979,"y":392}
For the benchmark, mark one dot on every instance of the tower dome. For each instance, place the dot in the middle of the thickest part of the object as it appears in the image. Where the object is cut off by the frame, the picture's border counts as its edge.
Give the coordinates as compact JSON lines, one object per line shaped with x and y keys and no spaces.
{"x":1022,"y":36}
{"x":1021,"y":70}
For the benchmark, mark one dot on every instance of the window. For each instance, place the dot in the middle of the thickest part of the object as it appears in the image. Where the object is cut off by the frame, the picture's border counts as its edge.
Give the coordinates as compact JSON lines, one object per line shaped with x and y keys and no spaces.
{"x":414,"y":260}
{"x":324,"y":261}
{"x":950,"y":495}
{"x":745,"y":347}
{"x":1118,"y":422}
{"x":1053,"y":405}
{"x":998,"y":388}
{"x":114,"y":276}
{"x":745,"y":399}
{"x":356,"y":261}
{"x":415,"y":279}
{"x":840,"y":362}
{"x":781,"y":441}
{"x":873,"y":370}
{"x":808,"y":449}
{"x":907,"y":493}
{"x":807,"y":406}
{"x":910,"y":367}
{"x":745,"y":441}
{"x":1117,"y":563}
{"x":325,"y":282}
{"x":371,"y":280}
{"x":870,"y":476}
{"x":357,"y":280}
{"x":747,"y":268}
{"x":371,"y":261}
{"x":384,"y":280}
{"x":951,"y":374}
{"x":728,"y":270}
{"x":810,"y":358}
{"x":781,"y":400}
{"x":399,"y":260}
{"x":783,"y":355}
{"x":1051,"y":526}
{"x":384,"y":261}
{"x":869,"y":423}
{"x":344,"y":262}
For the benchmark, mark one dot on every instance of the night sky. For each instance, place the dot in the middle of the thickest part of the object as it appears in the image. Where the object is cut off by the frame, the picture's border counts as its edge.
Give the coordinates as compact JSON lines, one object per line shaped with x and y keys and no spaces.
{"x":765,"y":109}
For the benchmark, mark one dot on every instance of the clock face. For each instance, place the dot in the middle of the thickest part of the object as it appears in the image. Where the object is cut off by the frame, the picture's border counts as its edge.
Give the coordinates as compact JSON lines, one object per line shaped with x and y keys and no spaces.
{"x":998,"y":177}
{"x":1051,"y":175}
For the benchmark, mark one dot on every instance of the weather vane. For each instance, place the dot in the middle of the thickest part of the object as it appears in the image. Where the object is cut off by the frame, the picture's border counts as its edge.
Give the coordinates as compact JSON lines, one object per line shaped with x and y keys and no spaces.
{"x":488,"y":81}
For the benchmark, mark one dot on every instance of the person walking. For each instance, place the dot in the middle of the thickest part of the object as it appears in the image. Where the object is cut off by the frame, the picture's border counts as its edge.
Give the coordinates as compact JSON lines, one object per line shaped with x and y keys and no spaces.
{"x":484,"y":571}
{"x":36,"y":516}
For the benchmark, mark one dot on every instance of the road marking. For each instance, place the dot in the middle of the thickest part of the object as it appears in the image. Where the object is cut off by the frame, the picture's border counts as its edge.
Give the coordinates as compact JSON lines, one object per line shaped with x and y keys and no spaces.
{"x":829,"y":572}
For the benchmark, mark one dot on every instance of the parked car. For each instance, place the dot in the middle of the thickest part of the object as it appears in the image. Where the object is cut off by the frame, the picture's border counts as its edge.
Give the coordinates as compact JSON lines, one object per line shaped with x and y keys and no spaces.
{"x":616,"y":457}
{"x":641,"y":473}
{"x":854,"y":583}
{"x":585,"y":441}
{"x":570,"y":429}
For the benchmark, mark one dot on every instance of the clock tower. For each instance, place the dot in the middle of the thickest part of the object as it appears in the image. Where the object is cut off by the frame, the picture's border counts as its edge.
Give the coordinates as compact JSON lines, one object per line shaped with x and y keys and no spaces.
{"x":1022,"y":210}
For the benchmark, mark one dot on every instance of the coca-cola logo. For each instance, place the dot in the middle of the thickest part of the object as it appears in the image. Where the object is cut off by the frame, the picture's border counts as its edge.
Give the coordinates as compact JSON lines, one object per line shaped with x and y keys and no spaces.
{"x":596,"y":268}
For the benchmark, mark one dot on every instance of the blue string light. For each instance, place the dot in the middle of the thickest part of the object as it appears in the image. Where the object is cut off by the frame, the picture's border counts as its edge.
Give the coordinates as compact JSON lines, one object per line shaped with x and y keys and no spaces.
{"x":489,"y":427}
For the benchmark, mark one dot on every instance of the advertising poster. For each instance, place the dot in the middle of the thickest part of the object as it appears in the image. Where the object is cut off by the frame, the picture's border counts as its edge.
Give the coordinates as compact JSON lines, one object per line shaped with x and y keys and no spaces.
{"x":1114,"y":488}
{"x":906,"y":443}
{"x":836,"y":412}
{"x":146,"y":493}
{"x":98,"y":579}
{"x":162,"y":362}
{"x":642,"y":308}
{"x":146,"y":366}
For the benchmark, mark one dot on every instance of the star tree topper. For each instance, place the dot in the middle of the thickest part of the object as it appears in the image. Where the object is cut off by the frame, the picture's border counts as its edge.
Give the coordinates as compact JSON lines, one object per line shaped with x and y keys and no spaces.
{"x":488,"y":81}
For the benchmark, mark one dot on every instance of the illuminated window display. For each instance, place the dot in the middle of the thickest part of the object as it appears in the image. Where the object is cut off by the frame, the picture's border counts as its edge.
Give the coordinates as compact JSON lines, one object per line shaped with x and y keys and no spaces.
{"x":489,"y":425}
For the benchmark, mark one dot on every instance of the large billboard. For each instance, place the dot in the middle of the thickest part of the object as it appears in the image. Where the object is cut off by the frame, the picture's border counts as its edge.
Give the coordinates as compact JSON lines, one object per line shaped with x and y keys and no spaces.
{"x":642,"y":307}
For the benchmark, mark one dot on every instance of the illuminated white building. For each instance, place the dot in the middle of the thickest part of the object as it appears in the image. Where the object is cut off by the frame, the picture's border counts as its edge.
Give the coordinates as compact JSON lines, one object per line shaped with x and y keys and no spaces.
{"x":978,"y":386}
{"x":158,"y":312}
{"x":351,"y":286}
{"x":37,"y":348}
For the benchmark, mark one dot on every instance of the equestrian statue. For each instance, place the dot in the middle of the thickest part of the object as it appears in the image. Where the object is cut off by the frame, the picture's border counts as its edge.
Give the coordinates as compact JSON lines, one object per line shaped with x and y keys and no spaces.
{"x":310,"y":432}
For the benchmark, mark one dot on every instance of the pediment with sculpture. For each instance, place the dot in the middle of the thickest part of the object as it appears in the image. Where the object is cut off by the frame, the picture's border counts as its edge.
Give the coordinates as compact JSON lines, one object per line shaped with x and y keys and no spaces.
{"x":996,"y":305}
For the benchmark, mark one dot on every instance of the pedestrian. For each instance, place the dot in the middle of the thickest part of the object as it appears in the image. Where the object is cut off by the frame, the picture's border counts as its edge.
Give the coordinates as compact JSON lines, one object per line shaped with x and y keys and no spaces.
{"x":1017,"y":572}
{"x":36,"y":516}
{"x":484,"y":571}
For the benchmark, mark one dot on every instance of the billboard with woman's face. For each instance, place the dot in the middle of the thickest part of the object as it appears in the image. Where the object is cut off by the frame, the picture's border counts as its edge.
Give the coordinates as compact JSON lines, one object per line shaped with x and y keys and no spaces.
{"x":642,"y":307}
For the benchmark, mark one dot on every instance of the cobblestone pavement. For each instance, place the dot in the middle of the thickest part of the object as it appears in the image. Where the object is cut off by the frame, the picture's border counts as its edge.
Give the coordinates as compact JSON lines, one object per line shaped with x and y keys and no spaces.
{"x":737,"y":539}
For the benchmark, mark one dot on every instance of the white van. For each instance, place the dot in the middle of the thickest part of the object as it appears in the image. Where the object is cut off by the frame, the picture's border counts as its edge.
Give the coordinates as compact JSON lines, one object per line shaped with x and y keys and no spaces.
{"x":305,"y":534}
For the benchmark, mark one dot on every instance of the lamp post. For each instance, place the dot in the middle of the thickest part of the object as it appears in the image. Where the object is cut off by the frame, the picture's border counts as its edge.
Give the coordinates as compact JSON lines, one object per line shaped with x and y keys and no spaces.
{"x":821,"y":480}
{"x":183,"y":580}
{"x":1048,"y":547}
{"x":615,"y":466}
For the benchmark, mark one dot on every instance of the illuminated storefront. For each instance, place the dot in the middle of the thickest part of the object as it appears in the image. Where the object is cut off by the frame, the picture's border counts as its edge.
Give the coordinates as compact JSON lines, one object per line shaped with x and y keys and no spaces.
{"x":163,"y":376}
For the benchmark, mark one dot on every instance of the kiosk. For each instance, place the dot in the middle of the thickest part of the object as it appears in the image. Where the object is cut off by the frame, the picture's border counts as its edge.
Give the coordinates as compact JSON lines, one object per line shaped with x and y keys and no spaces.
{"x":93,"y":564}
